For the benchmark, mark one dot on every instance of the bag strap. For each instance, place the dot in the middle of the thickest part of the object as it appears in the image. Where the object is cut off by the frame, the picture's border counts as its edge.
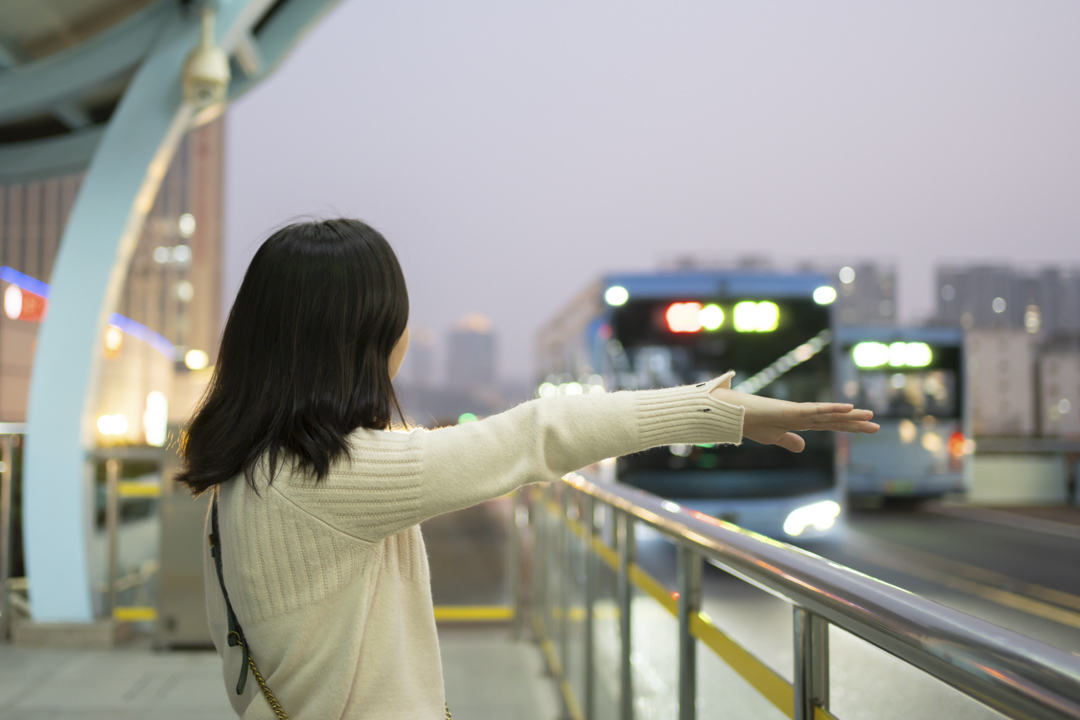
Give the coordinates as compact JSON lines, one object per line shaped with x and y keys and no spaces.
{"x":235,"y":636}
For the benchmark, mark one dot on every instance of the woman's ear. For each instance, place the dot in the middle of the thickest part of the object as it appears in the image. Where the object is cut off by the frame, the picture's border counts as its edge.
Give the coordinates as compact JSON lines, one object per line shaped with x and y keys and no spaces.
{"x":397,"y":355}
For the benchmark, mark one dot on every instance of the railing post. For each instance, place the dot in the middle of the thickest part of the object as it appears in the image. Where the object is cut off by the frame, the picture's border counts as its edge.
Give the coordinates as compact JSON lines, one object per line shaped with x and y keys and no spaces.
{"x":591,"y":566}
{"x":625,"y":544}
{"x":811,"y":664}
{"x":112,"y":514}
{"x":565,"y":578}
{"x":689,"y":569}
{"x":5,"y":535}
{"x":514,"y":564}
{"x":540,"y":560}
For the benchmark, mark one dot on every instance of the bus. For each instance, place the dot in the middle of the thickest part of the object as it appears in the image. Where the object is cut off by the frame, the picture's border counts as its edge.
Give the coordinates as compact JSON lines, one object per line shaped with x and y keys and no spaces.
{"x":913,"y":380}
{"x":775,"y":330}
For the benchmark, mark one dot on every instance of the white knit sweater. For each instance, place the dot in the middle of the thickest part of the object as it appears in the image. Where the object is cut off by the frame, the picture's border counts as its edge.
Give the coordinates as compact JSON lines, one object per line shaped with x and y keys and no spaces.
{"x":330,"y":581}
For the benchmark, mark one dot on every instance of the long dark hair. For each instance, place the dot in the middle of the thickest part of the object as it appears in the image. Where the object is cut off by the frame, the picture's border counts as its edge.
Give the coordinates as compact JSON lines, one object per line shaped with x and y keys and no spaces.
{"x":304,"y":356}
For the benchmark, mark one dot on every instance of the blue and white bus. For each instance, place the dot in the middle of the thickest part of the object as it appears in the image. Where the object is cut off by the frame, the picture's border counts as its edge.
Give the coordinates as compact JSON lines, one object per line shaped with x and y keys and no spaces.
{"x":913,"y":380}
{"x":664,"y":329}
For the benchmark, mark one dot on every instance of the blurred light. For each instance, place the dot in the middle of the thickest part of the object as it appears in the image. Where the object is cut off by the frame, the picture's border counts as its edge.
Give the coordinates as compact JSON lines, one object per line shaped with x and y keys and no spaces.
{"x":711,"y":317}
{"x":604,"y":331}
{"x":185,"y":290}
{"x":824,"y":295}
{"x":932,"y":442}
{"x":547,"y":390}
{"x":670,"y":506}
{"x":156,"y":419}
{"x":596,"y":379}
{"x":969,"y":446}
{"x":616,"y":295}
{"x":847,"y":275}
{"x":186,"y":225}
{"x":756,"y":317}
{"x":851,"y":389}
{"x":13,"y":301}
{"x":181,"y":254}
{"x":112,"y":424}
{"x":908,"y":431}
{"x":162,"y":255}
{"x":998,"y":305}
{"x":21,"y":304}
{"x":948,"y":292}
{"x":918,"y":355}
{"x":957,"y":444}
{"x":1032,"y":319}
{"x":140,"y":332}
{"x":683,"y":317}
{"x":898,"y":380}
{"x":573,"y":389}
{"x":1064,"y":406}
{"x":870,"y":354}
{"x":680,"y":450}
{"x":114,"y":340}
{"x":820,"y":515}
{"x":466,"y":418}
{"x":596,"y":389}
{"x":898,"y":354}
{"x":196,"y":359}
{"x":804,"y":352}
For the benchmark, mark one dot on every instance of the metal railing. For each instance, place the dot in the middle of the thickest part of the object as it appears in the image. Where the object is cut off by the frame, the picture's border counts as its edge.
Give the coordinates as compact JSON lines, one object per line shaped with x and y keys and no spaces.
{"x":10,"y":433}
{"x":1004,"y":670}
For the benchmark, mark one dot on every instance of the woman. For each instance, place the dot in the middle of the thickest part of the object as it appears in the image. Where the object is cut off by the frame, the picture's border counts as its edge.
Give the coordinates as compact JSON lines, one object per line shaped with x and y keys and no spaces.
{"x":318,"y":502}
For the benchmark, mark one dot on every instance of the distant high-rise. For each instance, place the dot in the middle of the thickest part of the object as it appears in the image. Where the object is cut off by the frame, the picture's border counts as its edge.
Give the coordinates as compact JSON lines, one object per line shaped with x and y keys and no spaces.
{"x":865,"y":293}
{"x":470,"y":354}
{"x":420,"y":359}
{"x":981,"y":297}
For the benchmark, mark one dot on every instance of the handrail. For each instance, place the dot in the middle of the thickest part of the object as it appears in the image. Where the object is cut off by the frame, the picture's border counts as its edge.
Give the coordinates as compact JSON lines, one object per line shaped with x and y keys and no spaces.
{"x":1012,"y":673}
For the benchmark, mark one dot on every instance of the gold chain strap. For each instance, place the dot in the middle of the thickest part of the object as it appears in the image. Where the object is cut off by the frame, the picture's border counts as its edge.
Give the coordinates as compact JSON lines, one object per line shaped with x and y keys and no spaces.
{"x":274,"y":704}
{"x":448,"y":713}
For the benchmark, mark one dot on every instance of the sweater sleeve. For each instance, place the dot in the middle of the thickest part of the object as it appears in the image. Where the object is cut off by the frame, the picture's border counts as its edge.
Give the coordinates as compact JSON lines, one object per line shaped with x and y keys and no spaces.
{"x":544,"y":439}
{"x":395,"y":480}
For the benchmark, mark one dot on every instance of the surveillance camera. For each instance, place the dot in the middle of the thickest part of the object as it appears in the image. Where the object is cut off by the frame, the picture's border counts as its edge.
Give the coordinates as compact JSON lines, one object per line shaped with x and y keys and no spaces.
{"x":206,"y":70}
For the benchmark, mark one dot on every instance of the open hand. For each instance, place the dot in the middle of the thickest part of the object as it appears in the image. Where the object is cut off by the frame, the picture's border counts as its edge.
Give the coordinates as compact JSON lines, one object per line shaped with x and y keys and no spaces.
{"x":773,"y":422}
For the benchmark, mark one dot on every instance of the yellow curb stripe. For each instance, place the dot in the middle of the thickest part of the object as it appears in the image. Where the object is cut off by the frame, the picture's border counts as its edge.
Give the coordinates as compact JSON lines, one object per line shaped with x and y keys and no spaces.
{"x":474,"y":613}
{"x":133,"y":489}
{"x":652,"y":586}
{"x":134,"y":614}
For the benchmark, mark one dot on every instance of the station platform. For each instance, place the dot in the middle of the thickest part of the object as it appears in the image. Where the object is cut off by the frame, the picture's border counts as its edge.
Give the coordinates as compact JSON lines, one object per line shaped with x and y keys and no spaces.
{"x":488,"y":676}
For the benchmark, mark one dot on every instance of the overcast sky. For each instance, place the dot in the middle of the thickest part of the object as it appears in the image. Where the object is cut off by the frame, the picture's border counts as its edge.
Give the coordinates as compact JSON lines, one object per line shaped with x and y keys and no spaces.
{"x":513,"y":151}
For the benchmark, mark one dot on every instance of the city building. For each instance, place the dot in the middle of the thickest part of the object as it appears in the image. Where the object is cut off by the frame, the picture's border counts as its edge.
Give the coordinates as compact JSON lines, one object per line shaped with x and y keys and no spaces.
{"x":470,"y":355}
{"x":865,"y":292}
{"x":163,"y":336}
{"x":1044,"y":302}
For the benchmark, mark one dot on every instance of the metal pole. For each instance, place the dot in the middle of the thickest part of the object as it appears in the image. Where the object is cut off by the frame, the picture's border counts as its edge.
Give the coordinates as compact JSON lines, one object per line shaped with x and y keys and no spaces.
{"x":811,"y":664}
{"x":689,"y":569}
{"x":513,"y":564}
{"x":5,"y":535}
{"x":112,"y":512}
{"x":625,"y":543}
{"x":565,"y":578}
{"x":592,"y":566}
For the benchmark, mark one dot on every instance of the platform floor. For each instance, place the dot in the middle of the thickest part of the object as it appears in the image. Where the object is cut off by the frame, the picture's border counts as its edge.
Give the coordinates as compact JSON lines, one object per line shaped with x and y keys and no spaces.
{"x":488,"y":677}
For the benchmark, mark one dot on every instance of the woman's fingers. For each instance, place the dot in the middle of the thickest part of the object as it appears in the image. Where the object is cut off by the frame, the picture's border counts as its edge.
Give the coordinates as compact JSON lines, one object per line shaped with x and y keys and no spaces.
{"x":792,"y":442}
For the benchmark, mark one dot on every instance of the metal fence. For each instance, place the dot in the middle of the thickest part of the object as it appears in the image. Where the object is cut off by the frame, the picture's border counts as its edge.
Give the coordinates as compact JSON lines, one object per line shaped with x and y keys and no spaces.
{"x":583,"y":578}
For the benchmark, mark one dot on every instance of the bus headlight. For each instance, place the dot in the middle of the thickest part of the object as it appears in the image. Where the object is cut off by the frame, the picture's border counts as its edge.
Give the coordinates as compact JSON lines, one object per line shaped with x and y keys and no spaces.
{"x":820,"y":516}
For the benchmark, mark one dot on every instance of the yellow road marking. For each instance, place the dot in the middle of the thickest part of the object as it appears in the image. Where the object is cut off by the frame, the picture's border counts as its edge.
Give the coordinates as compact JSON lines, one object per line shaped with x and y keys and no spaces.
{"x":134,"y":614}
{"x":474,"y":613}
{"x":949,"y":574}
{"x":133,"y":489}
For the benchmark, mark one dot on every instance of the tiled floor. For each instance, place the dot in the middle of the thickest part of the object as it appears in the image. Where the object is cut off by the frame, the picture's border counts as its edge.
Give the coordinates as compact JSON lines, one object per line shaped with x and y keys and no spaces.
{"x":488,"y":677}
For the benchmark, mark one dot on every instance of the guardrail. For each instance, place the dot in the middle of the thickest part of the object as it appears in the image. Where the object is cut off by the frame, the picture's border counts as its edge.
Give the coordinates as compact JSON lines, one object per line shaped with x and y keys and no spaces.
{"x":1006,"y":671}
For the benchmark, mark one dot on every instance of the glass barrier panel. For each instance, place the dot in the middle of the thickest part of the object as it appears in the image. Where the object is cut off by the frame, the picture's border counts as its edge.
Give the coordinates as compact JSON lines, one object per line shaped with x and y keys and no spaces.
{"x":870,"y":684}
{"x":467,"y":553}
{"x":575,"y":618}
{"x":724,"y":693}
{"x":606,"y":643}
{"x":654,"y":659}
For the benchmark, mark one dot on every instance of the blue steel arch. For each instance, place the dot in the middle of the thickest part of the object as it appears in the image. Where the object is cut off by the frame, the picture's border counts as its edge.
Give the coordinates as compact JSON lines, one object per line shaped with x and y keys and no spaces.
{"x":124,"y":174}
